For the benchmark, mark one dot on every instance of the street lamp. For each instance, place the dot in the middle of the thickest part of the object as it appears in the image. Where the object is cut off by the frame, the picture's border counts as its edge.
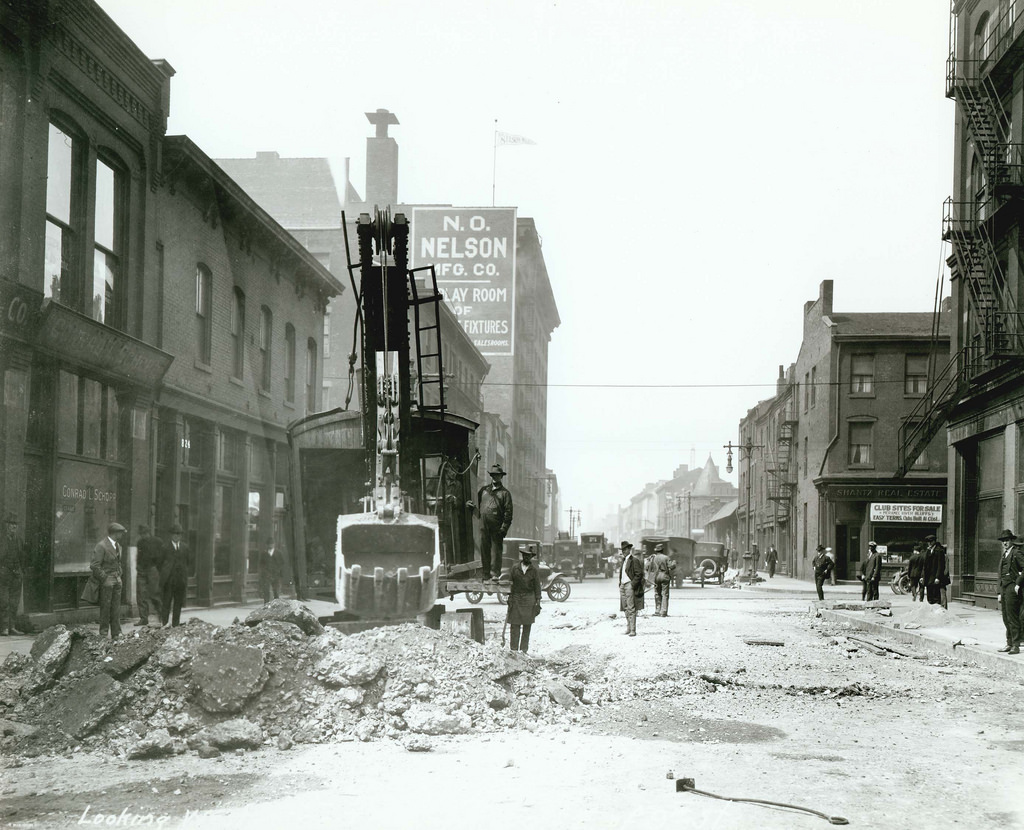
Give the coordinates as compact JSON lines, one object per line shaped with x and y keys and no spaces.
{"x":749,"y":448}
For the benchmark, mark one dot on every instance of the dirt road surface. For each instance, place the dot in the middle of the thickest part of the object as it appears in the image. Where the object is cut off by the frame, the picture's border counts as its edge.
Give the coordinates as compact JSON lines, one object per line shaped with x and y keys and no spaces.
{"x":820,"y":722}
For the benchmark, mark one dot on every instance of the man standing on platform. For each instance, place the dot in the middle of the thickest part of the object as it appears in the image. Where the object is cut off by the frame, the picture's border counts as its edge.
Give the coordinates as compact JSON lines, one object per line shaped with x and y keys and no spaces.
{"x":1011,"y":586}
{"x":494,"y":509}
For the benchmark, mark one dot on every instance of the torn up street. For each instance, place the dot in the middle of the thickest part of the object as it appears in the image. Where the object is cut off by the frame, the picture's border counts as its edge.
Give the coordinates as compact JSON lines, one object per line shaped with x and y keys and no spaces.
{"x":281,"y":721}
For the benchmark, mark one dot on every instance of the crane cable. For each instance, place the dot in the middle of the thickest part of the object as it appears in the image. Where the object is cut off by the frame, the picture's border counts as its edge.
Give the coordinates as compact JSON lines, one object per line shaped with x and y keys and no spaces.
{"x":688,"y":788}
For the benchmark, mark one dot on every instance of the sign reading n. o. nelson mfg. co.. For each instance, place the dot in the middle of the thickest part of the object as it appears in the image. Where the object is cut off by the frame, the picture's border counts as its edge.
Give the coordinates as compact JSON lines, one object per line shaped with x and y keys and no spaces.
{"x":473,"y":251}
{"x":899,"y":512}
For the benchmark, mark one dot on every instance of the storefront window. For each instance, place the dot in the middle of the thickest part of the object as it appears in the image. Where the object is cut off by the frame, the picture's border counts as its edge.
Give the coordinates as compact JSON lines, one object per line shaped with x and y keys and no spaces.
{"x":86,"y":503}
{"x":988,"y":503}
{"x":254,"y":530}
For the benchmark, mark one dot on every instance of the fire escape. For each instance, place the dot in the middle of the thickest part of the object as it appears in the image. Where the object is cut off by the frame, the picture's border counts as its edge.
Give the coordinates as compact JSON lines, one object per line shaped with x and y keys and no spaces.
{"x":780,"y":483}
{"x":994,"y":338}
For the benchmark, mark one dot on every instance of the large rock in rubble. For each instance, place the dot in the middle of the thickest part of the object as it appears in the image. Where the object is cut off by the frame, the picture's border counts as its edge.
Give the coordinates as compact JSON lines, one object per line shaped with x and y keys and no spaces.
{"x":182,"y":643}
{"x":431,"y":720}
{"x":14,"y":728}
{"x":157,"y":744}
{"x":341,"y":668}
{"x":50,"y":651}
{"x":83,"y":705}
{"x":287,"y":610}
{"x":237,"y":733}
{"x":226,"y":676}
{"x":131,"y":652}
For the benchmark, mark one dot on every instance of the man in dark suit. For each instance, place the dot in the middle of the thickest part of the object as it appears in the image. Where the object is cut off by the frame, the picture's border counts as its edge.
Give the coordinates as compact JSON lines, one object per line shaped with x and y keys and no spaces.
{"x":1011,"y":586}
{"x":523,"y":600}
{"x":822,"y":566}
{"x":147,"y":580}
{"x":106,"y":569}
{"x":174,"y":577}
{"x":915,"y":571}
{"x":271,"y":569}
{"x":771,"y":559}
{"x":631,"y":586}
{"x":936,"y":572}
{"x":872,"y":573}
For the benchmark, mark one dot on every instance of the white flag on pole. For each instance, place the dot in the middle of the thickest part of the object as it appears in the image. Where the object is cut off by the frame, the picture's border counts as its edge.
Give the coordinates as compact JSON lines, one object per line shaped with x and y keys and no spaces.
{"x":502,"y":139}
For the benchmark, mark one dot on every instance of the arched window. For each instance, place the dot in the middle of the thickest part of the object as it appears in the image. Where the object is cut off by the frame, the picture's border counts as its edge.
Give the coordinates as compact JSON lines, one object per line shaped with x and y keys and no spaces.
{"x":289,"y":363}
{"x":204,"y":287}
{"x":266,"y":339}
{"x":311,"y":373}
{"x":238,"y":333}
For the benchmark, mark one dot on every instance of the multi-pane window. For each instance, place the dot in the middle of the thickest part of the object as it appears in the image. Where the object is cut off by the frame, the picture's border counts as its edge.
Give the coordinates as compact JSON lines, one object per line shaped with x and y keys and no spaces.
{"x":204,"y":286}
{"x":90,"y":422}
{"x":916,"y":377}
{"x":68,"y":277}
{"x":266,"y":338}
{"x":310,"y":375}
{"x":106,"y":260}
{"x":814,"y":387}
{"x":860,"y":445}
{"x":62,"y":214}
{"x":238,"y":333}
{"x":289,"y":363}
{"x":862,"y":374}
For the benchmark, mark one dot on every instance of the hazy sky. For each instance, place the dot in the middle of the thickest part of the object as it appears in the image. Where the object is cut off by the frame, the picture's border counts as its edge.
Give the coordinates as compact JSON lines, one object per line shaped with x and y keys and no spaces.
{"x":699,"y":168}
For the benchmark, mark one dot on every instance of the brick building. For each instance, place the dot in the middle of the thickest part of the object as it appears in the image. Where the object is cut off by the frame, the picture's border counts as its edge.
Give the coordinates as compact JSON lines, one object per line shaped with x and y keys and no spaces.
{"x":826,"y":446}
{"x":978,"y":398}
{"x":161,"y":328}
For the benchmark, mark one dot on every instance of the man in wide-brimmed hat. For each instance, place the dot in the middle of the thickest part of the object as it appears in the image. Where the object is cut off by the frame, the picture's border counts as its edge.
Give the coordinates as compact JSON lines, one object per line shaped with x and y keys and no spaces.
{"x":631,"y":586}
{"x":494,"y":509}
{"x":523,"y":599}
{"x":12,"y":568}
{"x":1011,"y":586}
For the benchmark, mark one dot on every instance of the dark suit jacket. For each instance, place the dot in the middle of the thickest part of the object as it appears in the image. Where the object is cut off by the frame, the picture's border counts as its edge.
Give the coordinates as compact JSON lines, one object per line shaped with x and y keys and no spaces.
{"x":524,"y":596}
{"x":106,"y":562}
{"x":272,"y":567}
{"x":176,"y":564}
{"x":822,"y":565}
{"x":1011,"y":568}
{"x":915,"y":566}
{"x":151,"y":553}
{"x":635,"y":571}
{"x":873,"y":568}
{"x":935,"y":566}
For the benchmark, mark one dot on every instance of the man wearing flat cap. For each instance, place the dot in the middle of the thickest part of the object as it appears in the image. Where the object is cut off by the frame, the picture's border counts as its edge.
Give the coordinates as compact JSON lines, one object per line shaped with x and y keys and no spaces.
{"x":106,"y":570}
{"x":494,"y":509}
{"x":872,"y":573}
{"x":1011,"y":587}
{"x":12,"y":568}
{"x":823,"y":566}
{"x":936,"y":571}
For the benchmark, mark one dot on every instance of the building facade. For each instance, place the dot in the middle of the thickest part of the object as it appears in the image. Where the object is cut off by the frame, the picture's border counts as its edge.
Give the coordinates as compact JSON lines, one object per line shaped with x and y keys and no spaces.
{"x":824,"y":451}
{"x":978,"y":398}
{"x":133,"y":390}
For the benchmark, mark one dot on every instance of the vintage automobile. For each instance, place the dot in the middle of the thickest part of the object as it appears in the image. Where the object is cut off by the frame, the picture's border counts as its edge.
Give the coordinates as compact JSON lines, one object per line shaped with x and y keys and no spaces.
{"x":552,"y":582}
{"x":679,"y":550}
{"x":591,"y":555}
{"x":710,"y":562}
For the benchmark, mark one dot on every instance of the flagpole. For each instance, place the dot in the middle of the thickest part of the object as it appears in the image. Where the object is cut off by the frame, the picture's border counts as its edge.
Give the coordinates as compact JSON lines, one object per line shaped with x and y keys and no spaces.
{"x":494,"y":161}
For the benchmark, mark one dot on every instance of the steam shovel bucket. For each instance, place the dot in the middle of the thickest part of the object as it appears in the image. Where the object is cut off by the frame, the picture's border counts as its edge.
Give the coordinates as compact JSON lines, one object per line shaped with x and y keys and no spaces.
{"x":387,"y":568}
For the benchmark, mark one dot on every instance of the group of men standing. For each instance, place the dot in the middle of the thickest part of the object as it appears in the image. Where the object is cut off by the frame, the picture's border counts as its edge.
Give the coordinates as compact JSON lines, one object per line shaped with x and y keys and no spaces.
{"x":634,"y":573}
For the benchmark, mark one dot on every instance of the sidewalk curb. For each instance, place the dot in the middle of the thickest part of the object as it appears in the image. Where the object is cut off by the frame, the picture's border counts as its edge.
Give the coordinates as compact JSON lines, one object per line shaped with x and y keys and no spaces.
{"x":1003,"y":664}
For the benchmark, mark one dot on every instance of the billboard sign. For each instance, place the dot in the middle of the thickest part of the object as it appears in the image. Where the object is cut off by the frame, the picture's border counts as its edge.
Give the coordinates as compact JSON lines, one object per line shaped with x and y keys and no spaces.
{"x":918,"y":513}
{"x":473,"y":251}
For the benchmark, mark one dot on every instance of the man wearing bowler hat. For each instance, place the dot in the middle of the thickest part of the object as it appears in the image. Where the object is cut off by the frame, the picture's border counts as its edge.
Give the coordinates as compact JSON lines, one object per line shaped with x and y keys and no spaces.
{"x":1011,"y":586}
{"x":823,"y":566}
{"x":106,"y":570}
{"x":494,"y":509}
{"x":936,"y":572}
{"x":174,"y":577}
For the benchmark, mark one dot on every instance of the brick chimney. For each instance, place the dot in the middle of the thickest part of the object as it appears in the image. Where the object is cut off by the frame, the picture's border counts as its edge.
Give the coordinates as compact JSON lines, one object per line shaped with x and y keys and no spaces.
{"x":381,"y":161}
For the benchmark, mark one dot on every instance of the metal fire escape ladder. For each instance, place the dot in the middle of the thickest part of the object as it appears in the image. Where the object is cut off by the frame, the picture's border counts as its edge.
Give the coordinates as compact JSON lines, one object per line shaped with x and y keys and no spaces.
{"x":426,"y":304}
{"x":931,"y":412}
{"x":780,"y":488}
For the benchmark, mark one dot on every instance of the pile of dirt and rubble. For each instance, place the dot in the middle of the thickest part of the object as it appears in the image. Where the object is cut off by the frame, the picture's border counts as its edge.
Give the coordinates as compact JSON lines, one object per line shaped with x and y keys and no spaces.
{"x":278,"y":678}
